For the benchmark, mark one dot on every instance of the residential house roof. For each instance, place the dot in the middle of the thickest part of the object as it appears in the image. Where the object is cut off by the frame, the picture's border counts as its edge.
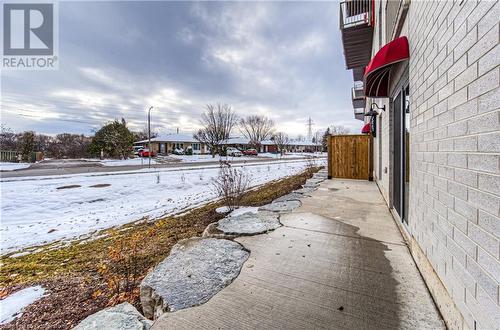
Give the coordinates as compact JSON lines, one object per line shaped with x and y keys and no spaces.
{"x":172,"y":138}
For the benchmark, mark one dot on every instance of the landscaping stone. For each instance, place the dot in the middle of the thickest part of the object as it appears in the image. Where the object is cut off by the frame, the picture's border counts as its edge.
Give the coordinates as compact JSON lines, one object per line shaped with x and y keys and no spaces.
{"x":310,"y":184}
{"x":305,"y":190}
{"x":123,"y":316}
{"x":320,"y":175}
{"x":286,"y":206}
{"x":249,"y":223}
{"x":196,"y":269}
{"x":293,"y":196}
{"x":314,"y":181}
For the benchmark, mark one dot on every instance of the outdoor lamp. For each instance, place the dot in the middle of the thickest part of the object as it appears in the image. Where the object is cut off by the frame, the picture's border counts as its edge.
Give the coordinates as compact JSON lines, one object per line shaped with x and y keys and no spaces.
{"x":371,"y":113}
{"x":373,"y":106}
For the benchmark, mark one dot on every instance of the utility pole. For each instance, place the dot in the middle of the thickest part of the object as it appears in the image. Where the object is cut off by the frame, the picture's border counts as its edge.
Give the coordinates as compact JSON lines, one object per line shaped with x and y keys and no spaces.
{"x":149,"y":135}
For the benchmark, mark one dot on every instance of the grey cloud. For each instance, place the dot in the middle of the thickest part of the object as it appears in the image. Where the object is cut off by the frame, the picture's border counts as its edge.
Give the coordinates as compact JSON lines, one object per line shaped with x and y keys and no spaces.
{"x":117,"y":58}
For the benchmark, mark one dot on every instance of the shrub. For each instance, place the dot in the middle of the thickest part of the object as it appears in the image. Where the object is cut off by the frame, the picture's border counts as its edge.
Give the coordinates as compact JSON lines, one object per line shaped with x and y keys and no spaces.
{"x":230,"y":185}
{"x":123,"y":268}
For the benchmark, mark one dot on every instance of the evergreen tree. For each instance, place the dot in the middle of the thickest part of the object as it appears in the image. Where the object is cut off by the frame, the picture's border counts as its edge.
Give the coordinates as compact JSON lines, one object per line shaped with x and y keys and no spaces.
{"x":114,"y":139}
{"x":325,"y":139}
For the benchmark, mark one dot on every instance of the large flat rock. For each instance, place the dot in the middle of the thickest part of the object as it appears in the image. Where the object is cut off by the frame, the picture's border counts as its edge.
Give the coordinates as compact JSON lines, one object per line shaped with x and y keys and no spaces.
{"x":304,"y":191}
{"x":285,"y":206}
{"x":120,"y":317}
{"x":293,"y":196}
{"x":195,"y":270}
{"x":249,"y":223}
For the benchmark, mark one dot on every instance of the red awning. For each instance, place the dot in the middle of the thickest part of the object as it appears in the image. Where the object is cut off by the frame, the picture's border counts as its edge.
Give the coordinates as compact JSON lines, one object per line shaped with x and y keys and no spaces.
{"x":377,"y":72}
{"x":367,"y":128}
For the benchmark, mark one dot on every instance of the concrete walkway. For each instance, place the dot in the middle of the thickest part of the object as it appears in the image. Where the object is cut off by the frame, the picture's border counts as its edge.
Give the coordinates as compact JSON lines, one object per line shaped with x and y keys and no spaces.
{"x":338,"y":262}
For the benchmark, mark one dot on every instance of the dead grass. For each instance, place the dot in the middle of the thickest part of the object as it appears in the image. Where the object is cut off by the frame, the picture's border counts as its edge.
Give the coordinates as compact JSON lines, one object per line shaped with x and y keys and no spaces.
{"x":70,"y":273}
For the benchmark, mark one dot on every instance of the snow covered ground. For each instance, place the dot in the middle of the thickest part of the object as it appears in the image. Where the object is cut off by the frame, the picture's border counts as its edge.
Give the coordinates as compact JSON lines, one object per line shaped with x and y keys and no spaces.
{"x":208,"y":158}
{"x":37,"y":210}
{"x":203,"y":158}
{"x":13,"y":166}
{"x":124,"y":162}
{"x":12,"y":306}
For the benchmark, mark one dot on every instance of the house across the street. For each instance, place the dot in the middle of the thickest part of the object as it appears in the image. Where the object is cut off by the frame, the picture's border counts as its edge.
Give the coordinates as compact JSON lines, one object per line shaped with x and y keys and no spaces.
{"x":269,"y":145}
{"x":167,"y":143}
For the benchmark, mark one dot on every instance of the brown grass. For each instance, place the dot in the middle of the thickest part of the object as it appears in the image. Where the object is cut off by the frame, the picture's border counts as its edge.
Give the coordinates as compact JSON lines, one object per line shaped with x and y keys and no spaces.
{"x":71,"y":273}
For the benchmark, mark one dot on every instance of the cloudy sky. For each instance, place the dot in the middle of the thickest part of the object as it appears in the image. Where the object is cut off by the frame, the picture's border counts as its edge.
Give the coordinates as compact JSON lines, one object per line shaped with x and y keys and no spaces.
{"x":283,"y":60}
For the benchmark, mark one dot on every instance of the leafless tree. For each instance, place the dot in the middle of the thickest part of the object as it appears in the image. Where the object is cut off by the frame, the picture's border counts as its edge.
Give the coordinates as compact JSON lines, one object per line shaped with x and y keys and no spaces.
{"x":143,"y":134}
{"x":231,"y":185}
{"x":218,"y":121}
{"x":339,"y":130}
{"x":317,"y":140}
{"x":281,"y":141}
{"x":256,"y":128}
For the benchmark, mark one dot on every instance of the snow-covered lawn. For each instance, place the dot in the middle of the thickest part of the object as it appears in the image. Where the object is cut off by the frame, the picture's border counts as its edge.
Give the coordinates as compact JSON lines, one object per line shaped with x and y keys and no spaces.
{"x":12,"y":306}
{"x":208,"y":158}
{"x":37,"y":210}
{"x":4,"y":166}
{"x":124,"y":162}
{"x":294,"y":155}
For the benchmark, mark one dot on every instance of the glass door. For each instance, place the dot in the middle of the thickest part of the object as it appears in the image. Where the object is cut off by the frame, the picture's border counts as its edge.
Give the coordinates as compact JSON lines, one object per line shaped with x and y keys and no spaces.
{"x":401,"y":156}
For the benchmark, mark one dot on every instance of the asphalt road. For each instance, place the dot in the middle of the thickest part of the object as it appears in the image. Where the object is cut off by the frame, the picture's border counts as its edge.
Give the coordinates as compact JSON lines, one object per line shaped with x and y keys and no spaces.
{"x":65,"y":167}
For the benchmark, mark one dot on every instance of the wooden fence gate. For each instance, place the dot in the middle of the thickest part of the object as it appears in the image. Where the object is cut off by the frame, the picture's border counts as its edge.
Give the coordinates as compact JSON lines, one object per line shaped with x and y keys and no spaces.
{"x":350,"y":157}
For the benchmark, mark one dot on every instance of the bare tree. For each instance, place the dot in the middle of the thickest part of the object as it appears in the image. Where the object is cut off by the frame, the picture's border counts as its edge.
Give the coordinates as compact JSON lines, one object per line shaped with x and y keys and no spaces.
{"x":281,"y":141}
{"x":231,"y":185}
{"x":218,"y":121}
{"x":339,"y":130}
{"x":143,"y":134}
{"x":317,"y":140}
{"x":256,"y":128}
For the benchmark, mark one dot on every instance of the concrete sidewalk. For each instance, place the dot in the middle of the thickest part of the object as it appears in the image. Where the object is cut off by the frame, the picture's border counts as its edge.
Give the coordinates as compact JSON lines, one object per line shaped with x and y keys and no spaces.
{"x":338,"y":262}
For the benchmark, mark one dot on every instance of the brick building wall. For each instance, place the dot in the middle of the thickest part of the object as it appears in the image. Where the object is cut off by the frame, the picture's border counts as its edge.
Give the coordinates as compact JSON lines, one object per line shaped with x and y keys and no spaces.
{"x":455,"y":150}
{"x":454,"y":205}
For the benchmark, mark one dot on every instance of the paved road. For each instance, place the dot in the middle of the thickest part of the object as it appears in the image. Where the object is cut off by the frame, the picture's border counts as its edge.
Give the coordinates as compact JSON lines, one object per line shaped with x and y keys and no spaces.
{"x":76,"y":167}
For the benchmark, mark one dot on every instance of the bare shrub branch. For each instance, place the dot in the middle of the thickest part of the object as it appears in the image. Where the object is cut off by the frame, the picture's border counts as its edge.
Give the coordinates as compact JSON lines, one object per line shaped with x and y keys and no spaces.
{"x":230,"y":185}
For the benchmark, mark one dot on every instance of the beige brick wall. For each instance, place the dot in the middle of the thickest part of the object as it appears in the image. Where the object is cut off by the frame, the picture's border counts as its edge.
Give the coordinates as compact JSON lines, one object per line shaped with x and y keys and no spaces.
{"x":455,"y":149}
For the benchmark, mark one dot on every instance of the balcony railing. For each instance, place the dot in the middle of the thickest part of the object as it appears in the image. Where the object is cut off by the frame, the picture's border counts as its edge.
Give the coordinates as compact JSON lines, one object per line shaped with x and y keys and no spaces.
{"x":356,"y":26}
{"x":358,"y":95}
{"x":355,"y":12}
{"x":357,"y":90}
{"x":359,"y":113}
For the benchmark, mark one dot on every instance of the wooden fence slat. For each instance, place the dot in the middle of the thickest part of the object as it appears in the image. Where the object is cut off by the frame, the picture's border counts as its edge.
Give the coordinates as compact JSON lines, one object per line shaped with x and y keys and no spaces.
{"x":349,"y":157}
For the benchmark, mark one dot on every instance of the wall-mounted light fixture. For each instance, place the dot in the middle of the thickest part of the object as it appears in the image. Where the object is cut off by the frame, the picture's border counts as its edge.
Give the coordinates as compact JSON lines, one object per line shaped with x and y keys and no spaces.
{"x":373,"y":120}
{"x":375,"y":105}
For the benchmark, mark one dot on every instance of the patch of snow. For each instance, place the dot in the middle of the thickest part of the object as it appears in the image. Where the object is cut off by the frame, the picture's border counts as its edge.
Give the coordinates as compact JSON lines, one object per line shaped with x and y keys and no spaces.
{"x":35,"y":212}
{"x":125,"y":162}
{"x":239,"y":211}
{"x":293,"y":155}
{"x":222,"y":209}
{"x":12,"y":307}
{"x":208,"y":158}
{"x":243,"y":210}
{"x":5,"y":166}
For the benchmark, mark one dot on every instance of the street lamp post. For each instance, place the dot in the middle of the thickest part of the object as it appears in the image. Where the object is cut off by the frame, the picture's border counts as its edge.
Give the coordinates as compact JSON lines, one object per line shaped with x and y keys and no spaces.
{"x":149,"y":135}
